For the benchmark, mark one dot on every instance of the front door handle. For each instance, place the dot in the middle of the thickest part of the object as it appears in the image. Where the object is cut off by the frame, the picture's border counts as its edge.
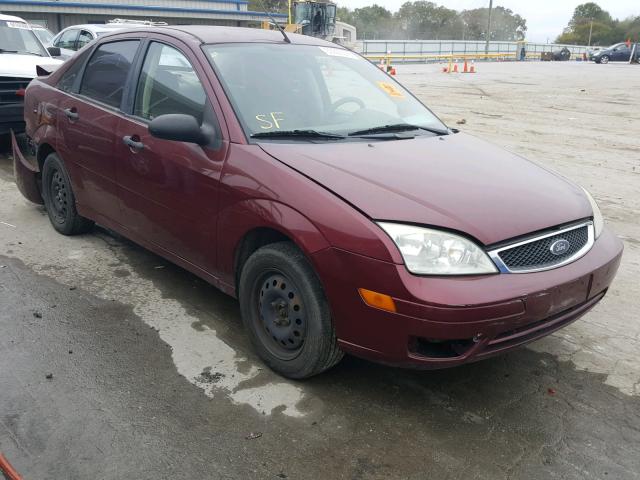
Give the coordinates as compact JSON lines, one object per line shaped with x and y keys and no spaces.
{"x":71,"y":113}
{"x":131,"y":143}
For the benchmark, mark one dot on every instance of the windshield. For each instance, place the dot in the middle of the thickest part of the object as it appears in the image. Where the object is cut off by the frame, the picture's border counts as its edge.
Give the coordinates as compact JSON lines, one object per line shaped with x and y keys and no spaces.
{"x":44,"y":35}
{"x":17,"y":37}
{"x":309,"y":88}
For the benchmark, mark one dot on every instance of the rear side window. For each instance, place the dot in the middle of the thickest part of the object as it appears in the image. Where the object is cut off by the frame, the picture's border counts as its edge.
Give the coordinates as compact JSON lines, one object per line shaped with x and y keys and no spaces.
{"x":84,"y":38}
{"x":106,"y":73}
{"x":67,"y":40}
{"x":68,"y":80}
{"x":168,"y":84}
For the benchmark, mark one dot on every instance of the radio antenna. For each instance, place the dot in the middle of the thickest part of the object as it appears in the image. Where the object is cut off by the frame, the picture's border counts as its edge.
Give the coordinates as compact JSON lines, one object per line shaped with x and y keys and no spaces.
{"x":273,"y":20}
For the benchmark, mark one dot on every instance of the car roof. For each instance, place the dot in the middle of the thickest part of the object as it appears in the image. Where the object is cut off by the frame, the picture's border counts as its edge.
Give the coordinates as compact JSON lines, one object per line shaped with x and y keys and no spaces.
{"x":218,"y":34}
{"x":11,"y":18}
{"x":103,"y":27}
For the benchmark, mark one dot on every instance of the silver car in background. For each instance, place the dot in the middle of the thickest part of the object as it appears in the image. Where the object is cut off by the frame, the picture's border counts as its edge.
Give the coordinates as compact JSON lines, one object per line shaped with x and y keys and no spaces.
{"x":73,"y":38}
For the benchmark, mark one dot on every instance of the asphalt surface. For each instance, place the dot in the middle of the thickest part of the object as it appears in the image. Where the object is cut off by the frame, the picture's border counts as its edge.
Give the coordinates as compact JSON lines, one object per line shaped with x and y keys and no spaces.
{"x":151,"y":376}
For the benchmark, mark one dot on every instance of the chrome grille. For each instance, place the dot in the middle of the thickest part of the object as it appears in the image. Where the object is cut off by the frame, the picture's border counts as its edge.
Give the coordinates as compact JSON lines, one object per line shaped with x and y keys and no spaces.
{"x":536,"y":254}
{"x":8,"y":88}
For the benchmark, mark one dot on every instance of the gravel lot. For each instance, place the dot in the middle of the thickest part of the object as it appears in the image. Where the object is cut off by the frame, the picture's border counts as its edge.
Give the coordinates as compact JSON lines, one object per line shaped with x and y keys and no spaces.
{"x":154,"y":379}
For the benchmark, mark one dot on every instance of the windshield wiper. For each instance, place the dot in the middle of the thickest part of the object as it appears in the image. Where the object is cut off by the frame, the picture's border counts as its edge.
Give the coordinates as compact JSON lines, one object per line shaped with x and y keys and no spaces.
{"x":296,"y":133}
{"x":2,"y":50}
{"x":396,"y":127}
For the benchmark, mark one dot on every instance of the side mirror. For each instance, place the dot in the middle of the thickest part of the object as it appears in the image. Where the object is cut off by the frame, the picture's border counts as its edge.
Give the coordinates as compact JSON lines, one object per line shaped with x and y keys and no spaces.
{"x":54,"y":51}
{"x":180,"y":128}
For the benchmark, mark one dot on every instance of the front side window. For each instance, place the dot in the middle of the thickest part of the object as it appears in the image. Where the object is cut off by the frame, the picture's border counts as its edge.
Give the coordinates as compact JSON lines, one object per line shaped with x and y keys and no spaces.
{"x":105,"y":76}
{"x":304,"y":87}
{"x":17,"y":37}
{"x":168,"y":84}
{"x":67,"y":40}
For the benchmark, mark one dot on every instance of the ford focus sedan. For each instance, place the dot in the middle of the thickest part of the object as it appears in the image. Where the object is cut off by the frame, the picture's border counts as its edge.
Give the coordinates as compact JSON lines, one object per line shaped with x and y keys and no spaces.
{"x":298,"y":177}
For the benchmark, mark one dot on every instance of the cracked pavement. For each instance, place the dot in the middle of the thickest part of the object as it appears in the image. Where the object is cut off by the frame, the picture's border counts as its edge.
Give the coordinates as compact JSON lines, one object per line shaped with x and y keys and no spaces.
{"x":153,"y":377}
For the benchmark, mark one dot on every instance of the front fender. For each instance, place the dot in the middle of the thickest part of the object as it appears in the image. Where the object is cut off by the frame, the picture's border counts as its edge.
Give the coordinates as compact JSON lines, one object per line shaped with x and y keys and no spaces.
{"x":25,"y":168}
{"x":242,"y":217}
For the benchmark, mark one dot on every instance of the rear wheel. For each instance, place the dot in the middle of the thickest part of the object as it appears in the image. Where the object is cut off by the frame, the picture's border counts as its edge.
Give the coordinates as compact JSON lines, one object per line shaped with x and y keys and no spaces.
{"x":59,"y":199}
{"x":285,"y":311}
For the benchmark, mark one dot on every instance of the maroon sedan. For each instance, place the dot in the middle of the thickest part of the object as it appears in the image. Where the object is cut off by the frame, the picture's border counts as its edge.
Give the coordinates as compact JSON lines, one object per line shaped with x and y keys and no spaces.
{"x":297,"y":176}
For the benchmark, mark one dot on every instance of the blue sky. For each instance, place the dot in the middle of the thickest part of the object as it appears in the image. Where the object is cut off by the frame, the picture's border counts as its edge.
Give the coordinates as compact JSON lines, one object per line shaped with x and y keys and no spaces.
{"x":545,"y":18}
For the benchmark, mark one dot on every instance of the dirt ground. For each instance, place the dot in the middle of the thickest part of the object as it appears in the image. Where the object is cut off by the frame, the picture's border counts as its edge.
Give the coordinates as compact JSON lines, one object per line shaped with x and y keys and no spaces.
{"x":153,"y":378}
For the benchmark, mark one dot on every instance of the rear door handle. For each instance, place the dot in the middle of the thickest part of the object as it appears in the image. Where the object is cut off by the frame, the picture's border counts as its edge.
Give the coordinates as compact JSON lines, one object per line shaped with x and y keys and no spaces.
{"x":129,"y":141}
{"x":71,"y":113}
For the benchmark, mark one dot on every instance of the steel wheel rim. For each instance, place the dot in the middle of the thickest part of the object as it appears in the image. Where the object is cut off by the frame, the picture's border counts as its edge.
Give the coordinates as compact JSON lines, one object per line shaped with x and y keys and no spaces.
{"x":59,"y":196}
{"x":281,"y":320}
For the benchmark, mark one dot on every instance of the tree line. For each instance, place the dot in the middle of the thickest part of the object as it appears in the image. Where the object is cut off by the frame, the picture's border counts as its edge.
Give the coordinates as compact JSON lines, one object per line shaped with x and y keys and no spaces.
{"x":605,"y":30}
{"x":424,"y":20}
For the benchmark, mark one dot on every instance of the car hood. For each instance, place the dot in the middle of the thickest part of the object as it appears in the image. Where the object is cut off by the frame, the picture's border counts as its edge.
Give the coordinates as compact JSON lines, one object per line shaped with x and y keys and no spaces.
{"x":14,"y":65}
{"x":456,"y":181}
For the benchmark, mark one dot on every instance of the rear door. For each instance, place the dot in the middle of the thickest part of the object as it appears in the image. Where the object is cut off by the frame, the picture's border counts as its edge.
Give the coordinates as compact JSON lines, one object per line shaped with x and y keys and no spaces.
{"x":169,"y":188}
{"x":87,"y":122}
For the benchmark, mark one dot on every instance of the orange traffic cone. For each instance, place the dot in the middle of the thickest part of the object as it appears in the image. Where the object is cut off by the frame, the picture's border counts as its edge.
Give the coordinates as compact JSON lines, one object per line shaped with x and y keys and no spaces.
{"x":455,"y":68}
{"x":473,"y":68}
{"x":445,"y":70}
{"x":392,"y":71}
{"x":465,"y":69}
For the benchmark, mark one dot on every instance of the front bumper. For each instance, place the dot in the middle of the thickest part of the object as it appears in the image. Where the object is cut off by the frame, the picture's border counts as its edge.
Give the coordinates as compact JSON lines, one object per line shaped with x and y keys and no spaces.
{"x":11,"y":118}
{"x":447,"y":321}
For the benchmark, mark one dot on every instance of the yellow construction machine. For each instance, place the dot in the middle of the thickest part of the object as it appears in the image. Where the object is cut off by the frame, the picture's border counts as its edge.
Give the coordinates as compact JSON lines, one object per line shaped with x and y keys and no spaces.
{"x":316,"y":18}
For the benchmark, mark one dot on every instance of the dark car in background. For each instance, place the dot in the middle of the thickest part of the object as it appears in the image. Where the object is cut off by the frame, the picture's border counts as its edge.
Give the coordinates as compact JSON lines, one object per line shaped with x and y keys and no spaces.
{"x":620,"y":52}
{"x":561,"y":54}
{"x":298,"y":177}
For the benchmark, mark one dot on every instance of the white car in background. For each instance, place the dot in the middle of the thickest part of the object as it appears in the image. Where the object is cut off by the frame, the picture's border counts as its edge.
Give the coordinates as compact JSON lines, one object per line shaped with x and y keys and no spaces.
{"x":20,"y":53}
{"x":73,"y":38}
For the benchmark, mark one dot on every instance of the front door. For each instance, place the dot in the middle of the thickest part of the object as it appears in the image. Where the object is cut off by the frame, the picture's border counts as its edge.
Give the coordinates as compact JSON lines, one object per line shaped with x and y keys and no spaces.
{"x":170,"y":189}
{"x":87,"y":121}
{"x":622,"y":53}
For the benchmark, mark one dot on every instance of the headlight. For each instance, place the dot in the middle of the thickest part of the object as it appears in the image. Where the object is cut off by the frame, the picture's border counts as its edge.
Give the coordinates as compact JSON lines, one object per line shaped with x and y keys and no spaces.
{"x":598,"y":221}
{"x":434,"y":252}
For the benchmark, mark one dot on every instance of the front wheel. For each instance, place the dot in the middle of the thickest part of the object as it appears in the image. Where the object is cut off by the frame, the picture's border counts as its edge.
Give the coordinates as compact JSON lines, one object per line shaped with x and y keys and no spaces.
{"x":286,"y":313}
{"x":604,"y":59}
{"x":59,"y":199}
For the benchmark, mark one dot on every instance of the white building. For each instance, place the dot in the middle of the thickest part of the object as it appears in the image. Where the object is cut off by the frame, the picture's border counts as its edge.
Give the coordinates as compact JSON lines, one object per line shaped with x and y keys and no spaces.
{"x":58,"y":14}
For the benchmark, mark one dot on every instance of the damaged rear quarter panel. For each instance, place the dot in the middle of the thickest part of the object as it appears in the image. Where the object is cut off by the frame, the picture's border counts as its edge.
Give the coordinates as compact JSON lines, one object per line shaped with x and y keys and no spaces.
{"x":25,"y":168}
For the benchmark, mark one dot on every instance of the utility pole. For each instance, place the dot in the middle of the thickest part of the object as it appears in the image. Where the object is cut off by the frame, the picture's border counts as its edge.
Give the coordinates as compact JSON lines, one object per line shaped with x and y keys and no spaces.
{"x":488,"y":34}
{"x":590,"y":30}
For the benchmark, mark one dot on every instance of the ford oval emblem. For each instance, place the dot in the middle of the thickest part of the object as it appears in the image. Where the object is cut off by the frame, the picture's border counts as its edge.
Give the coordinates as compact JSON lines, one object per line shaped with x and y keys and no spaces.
{"x":560,"y":246}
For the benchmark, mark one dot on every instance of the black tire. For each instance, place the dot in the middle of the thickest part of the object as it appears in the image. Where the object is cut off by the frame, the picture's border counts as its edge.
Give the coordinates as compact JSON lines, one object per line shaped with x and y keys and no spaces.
{"x":286,"y":313}
{"x":604,"y":59}
{"x":59,"y":199}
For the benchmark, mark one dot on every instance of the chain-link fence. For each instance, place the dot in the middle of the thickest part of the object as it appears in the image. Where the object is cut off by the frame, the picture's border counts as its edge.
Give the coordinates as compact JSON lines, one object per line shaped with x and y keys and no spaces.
{"x":424,"y":50}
